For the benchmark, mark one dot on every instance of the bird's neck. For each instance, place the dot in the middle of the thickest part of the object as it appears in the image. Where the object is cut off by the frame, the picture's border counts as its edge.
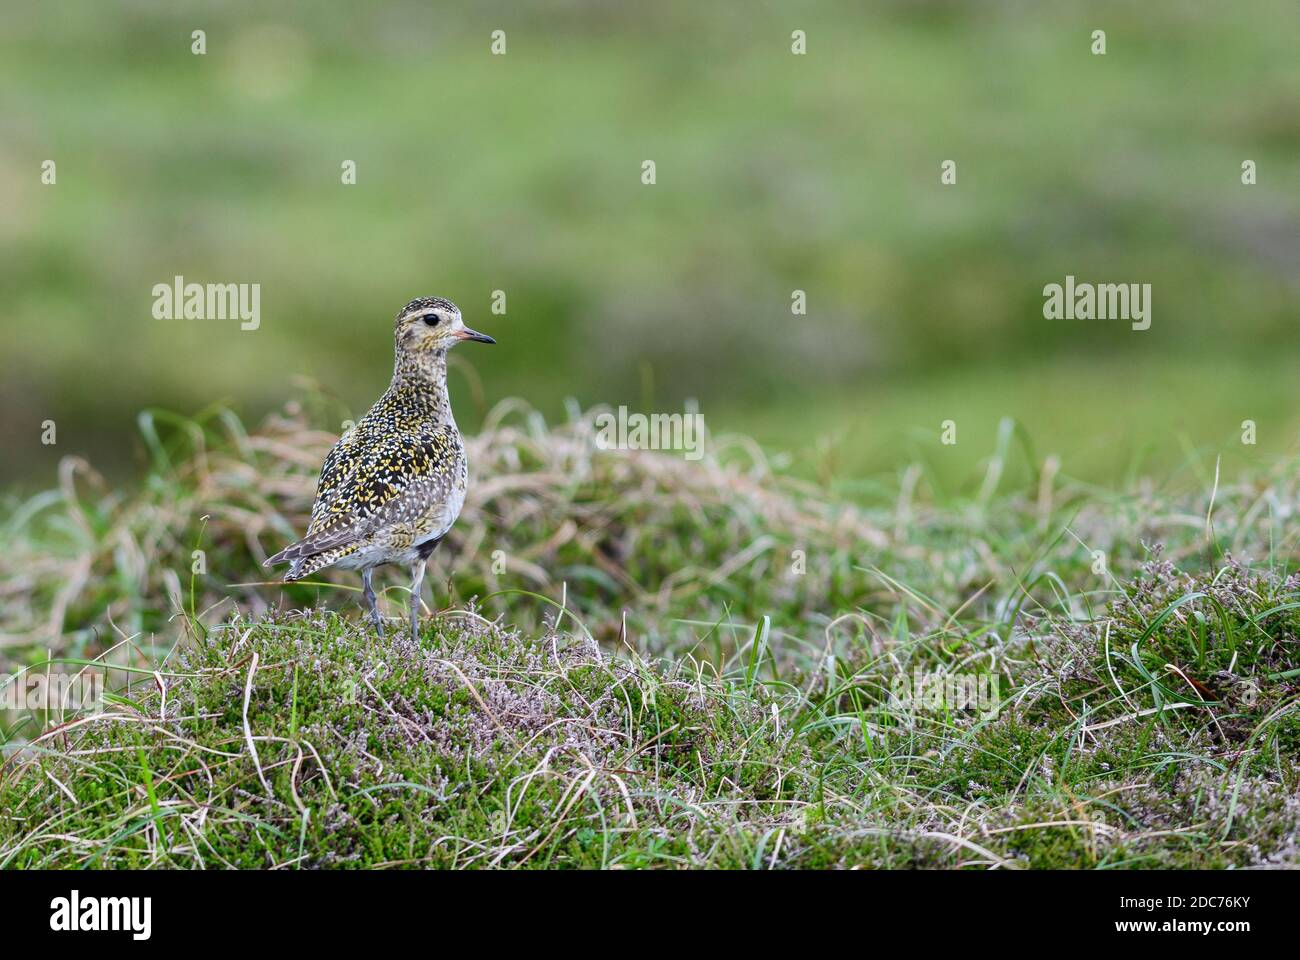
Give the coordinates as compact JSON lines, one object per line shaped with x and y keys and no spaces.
{"x":423,"y":378}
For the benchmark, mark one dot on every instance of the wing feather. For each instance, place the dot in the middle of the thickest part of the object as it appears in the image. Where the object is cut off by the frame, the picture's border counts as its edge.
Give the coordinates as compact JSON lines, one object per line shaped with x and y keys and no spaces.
{"x":366,"y":486}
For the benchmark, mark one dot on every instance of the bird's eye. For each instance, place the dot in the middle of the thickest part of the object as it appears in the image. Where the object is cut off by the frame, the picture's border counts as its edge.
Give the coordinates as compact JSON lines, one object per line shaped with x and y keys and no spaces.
{"x":432,"y":319}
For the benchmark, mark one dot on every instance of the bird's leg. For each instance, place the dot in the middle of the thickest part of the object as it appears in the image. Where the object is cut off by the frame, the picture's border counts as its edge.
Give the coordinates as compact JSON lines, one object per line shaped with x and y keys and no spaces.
{"x":368,"y":592}
{"x":417,"y":578}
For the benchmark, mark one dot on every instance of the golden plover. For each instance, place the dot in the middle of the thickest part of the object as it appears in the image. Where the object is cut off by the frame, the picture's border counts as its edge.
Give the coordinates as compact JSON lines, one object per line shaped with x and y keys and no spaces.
{"x":393,"y":485}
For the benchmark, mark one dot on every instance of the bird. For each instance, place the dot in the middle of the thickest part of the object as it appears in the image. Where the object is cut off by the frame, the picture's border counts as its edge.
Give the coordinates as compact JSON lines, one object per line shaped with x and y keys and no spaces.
{"x":393,"y":485}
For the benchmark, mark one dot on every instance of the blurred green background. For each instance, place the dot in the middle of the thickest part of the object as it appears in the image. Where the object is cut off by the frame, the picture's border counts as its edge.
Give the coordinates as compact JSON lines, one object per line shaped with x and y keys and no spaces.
{"x":775,"y":172}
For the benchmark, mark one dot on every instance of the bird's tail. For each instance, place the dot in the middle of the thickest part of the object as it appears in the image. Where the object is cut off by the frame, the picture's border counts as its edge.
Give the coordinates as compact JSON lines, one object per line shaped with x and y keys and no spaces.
{"x":301,"y":566}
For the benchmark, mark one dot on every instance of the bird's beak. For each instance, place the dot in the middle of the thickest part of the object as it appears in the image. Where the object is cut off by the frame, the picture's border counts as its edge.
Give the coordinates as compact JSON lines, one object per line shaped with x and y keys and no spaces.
{"x":467,"y":334}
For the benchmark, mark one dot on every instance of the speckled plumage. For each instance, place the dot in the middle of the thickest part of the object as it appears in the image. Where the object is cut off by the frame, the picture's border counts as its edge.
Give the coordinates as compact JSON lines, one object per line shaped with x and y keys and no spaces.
{"x":394,"y":484}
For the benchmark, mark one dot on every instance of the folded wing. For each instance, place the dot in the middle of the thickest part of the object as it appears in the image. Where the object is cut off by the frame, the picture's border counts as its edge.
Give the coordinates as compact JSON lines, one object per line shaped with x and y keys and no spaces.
{"x":364,"y":487}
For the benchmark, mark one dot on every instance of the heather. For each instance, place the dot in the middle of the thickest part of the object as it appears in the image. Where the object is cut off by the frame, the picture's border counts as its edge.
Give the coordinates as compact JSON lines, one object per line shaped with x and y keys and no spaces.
{"x":642,"y":661}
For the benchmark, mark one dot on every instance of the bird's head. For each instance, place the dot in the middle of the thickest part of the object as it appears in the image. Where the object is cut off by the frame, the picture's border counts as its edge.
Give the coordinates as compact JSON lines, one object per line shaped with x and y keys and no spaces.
{"x":430,"y":324}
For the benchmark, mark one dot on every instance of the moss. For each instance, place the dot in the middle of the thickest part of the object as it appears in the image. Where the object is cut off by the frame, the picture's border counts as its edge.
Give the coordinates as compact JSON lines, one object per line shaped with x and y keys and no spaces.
{"x":474,"y":747}
{"x":531,"y":746}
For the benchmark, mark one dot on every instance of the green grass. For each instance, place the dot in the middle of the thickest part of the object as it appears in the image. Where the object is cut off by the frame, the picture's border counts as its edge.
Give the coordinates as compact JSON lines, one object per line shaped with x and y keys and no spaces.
{"x":477,"y":747}
{"x":657,"y":678}
{"x":303,"y":741}
{"x":1107,"y":422}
